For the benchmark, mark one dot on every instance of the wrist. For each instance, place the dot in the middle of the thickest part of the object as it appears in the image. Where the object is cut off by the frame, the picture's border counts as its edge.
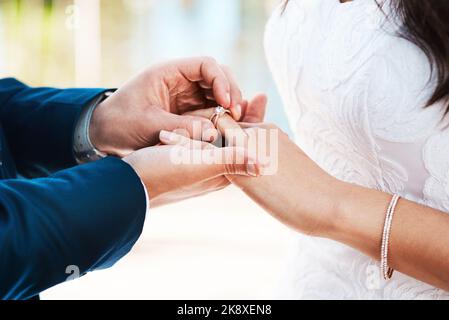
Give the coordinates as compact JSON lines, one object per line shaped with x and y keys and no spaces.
{"x":355,"y":225}
{"x":137,"y":161}
{"x":341,"y":210}
{"x":336,"y":209}
{"x":103,"y":129}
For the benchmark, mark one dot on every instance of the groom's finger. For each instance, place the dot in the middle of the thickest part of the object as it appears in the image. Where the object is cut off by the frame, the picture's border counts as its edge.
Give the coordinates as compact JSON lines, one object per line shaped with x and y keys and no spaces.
{"x":172,"y":138}
{"x":195,"y":127}
{"x":236,"y":94}
{"x":214,"y":161}
{"x":207,"y":71}
{"x":203,"y":161}
{"x":209,"y":95}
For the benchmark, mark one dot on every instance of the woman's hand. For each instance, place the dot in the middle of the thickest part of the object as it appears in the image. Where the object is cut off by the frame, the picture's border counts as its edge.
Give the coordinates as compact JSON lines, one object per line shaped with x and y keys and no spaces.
{"x":311,"y":201}
{"x":296,"y":191}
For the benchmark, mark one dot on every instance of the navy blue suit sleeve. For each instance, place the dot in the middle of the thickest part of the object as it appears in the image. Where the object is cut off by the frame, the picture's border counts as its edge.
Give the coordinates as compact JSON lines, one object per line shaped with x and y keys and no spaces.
{"x":39,"y":125}
{"x":88,"y":216}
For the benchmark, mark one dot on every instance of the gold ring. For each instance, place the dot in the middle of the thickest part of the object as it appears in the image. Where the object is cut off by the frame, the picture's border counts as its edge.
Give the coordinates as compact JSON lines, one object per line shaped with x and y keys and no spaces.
{"x":218,"y":113}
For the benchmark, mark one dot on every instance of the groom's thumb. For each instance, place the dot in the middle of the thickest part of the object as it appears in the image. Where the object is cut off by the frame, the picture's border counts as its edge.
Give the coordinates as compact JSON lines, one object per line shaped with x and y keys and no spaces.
{"x":195,"y":128}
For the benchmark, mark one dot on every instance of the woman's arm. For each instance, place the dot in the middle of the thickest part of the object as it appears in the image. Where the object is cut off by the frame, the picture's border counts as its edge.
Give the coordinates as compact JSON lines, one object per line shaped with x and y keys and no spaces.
{"x":303,"y":196}
{"x":419,"y":243}
{"x":306,"y":198}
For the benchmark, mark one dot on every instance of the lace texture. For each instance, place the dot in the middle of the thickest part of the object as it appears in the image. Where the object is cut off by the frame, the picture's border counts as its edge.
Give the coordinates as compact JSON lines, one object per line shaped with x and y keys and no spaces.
{"x":354,"y":93}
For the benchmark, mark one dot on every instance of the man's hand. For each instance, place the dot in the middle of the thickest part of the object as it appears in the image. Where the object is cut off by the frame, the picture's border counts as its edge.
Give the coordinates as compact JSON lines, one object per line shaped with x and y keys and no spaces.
{"x":183,"y":168}
{"x":253,"y":112}
{"x":133,"y":116}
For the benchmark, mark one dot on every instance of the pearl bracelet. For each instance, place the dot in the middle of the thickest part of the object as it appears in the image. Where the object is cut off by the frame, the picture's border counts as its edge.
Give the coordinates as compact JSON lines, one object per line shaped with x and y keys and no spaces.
{"x":386,"y":271}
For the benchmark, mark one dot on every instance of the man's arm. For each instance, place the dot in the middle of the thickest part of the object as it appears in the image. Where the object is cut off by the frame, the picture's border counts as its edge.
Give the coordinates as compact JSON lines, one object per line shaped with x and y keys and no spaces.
{"x":88,"y":216}
{"x":39,"y":122}
{"x":39,"y":125}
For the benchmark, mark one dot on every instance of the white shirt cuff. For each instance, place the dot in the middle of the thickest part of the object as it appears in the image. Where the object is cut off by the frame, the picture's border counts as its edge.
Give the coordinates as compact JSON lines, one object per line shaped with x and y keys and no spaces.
{"x":147,"y":198}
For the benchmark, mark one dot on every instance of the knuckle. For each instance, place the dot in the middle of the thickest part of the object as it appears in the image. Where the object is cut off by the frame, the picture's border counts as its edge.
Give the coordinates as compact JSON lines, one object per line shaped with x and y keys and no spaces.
{"x":225,"y":68}
{"x":183,"y":133}
{"x":209,"y":60}
{"x":271,"y":126}
{"x":189,"y":122}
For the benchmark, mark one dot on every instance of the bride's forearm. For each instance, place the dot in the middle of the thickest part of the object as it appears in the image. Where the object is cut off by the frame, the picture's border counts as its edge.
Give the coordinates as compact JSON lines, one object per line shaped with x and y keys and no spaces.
{"x":355,"y":216}
{"x":306,"y":198}
{"x":419,"y":243}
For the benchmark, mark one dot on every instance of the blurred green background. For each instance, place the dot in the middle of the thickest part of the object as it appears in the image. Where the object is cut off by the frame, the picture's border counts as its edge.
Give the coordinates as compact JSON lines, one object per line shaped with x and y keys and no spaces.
{"x":104,"y":42}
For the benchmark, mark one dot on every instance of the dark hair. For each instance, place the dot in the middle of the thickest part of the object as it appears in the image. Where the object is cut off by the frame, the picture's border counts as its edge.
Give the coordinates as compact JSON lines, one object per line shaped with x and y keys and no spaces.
{"x":426,"y":24}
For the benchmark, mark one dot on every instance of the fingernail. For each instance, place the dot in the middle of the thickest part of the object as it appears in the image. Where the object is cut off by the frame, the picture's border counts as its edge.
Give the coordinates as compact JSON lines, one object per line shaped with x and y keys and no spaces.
{"x":252,"y":170}
{"x":237,"y":112}
{"x":228,"y":99}
{"x":214,"y":136}
{"x":167,"y":136}
{"x":209,"y":133}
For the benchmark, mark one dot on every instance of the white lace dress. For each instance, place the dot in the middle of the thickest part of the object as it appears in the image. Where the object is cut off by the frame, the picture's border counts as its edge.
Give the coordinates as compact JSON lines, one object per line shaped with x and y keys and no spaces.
{"x":354,"y":94}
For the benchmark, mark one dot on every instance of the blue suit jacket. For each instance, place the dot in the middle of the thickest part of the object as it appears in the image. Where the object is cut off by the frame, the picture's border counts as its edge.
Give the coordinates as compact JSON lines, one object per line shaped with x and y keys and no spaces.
{"x":53,"y":213}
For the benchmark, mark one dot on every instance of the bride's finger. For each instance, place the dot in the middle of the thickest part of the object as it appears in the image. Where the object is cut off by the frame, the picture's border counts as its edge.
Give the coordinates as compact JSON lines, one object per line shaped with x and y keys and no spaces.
{"x":226,"y":125}
{"x":255,"y":109}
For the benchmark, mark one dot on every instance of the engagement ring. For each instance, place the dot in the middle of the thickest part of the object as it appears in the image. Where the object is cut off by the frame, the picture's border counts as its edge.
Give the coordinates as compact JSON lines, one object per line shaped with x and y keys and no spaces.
{"x":218,"y":113}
